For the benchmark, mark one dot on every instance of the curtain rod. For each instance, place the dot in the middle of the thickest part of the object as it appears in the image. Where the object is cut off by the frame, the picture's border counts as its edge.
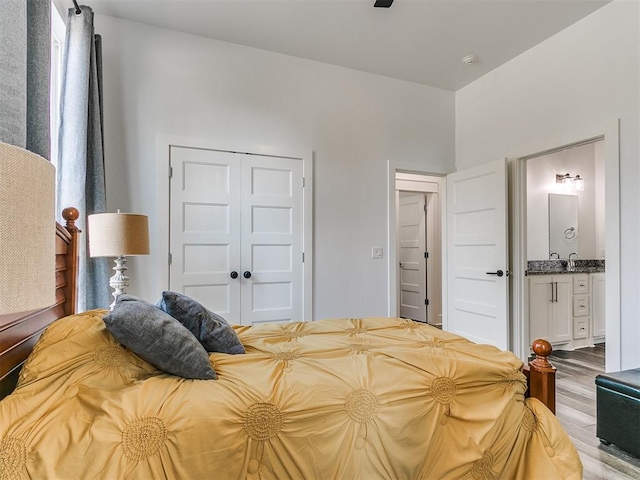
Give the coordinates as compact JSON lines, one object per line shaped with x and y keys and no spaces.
{"x":78,"y":11}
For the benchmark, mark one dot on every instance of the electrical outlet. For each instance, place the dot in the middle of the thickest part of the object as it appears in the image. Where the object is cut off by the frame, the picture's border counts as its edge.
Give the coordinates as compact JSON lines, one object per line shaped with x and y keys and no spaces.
{"x":376,"y":252}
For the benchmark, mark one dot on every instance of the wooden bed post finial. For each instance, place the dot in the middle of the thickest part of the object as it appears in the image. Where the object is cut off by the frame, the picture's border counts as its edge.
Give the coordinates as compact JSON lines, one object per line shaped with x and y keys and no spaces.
{"x":542,"y":375}
{"x":71,"y":214}
{"x":542,"y":349}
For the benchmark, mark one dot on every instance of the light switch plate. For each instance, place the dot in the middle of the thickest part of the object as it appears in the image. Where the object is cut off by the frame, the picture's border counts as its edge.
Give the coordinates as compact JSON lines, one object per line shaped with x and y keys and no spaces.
{"x":376,"y":252}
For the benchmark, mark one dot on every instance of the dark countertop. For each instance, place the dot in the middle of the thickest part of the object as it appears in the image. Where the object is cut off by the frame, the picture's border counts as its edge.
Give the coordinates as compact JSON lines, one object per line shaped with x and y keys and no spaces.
{"x":562,"y":272}
{"x":559,"y":267}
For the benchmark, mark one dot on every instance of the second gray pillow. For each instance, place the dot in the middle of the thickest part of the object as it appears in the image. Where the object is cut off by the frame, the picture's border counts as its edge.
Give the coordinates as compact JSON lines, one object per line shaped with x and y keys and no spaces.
{"x":214,"y":332}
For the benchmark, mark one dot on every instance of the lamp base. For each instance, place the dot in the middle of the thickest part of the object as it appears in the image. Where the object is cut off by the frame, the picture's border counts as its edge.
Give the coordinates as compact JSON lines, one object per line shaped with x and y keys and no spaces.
{"x":119,"y":281}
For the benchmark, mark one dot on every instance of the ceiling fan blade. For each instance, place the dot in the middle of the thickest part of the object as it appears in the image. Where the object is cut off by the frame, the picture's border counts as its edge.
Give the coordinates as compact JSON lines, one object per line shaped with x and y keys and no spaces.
{"x":383,"y":3}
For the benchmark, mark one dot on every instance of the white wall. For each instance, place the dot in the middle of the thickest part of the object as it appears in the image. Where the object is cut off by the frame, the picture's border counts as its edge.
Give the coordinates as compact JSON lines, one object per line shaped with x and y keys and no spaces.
{"x":158,"y":81}
{"x":584,"y":75}
{"x":541,"y":181}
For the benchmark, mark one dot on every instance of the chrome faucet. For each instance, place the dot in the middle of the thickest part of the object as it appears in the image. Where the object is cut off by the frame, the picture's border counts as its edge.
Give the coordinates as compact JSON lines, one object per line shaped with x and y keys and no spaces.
{"x":554,"y":253}
{"x":572,"y":261}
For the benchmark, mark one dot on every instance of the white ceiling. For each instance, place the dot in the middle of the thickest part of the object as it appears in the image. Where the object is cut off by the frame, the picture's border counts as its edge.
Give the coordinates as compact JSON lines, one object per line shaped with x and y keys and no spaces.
{"x":420,"y":41}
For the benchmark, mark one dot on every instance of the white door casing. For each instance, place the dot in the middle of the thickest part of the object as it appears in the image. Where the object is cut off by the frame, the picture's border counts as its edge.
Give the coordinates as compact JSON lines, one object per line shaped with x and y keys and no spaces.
{"x":477,"y":298}
{"x":413,"y":275}
{"x":598,"y":309}
{"x":241,"y":213}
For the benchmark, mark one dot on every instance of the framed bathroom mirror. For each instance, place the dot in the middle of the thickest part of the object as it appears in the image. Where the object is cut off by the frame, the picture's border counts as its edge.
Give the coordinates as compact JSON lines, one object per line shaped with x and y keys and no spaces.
{"x":563,"y":225}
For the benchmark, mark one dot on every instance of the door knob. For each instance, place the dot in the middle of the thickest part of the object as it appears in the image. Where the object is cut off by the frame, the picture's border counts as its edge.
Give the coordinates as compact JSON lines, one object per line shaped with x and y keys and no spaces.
{"x":247,"y":274}
{"x":499,"y":273}
{"x":233,"y":274}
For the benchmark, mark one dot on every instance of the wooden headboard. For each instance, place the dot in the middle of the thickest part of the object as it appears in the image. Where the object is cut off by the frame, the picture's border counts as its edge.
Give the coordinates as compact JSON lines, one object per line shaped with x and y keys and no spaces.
{"x":20,"y":331}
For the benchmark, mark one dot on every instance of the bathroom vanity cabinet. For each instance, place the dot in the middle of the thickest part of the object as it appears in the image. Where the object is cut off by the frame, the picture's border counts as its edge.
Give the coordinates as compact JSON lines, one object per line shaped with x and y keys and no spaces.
{"x":550,"y":308}
{"x":562,"y":309}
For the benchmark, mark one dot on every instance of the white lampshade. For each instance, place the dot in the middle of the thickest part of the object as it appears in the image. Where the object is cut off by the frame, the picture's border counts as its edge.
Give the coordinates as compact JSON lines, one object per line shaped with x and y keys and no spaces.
{"x":27,"y":231}
{"x":116,"y":234}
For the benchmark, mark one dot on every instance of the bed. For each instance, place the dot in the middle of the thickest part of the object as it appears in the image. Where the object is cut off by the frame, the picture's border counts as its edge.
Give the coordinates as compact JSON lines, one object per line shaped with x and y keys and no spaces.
{"x":357,"y":398}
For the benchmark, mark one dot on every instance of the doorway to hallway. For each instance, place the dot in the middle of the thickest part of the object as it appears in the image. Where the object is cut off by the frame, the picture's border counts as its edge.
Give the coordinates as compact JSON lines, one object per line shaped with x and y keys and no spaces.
{"x":418,"y":238}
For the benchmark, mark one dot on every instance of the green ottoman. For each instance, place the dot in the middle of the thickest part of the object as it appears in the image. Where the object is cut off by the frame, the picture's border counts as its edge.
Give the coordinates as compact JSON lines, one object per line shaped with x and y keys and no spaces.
{"x":618,"y":397}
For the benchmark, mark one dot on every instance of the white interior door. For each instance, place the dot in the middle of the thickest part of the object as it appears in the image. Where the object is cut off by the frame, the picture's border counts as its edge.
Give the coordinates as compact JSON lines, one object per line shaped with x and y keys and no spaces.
{"x":271,"y":239}
{"x":413,"y":274}
{"x":477,"y":295}
{"x":205,"y":228}
{"x":236,"y":233}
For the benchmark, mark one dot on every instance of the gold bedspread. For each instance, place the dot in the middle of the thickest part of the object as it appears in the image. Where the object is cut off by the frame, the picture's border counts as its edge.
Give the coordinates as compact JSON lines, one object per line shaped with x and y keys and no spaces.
{"x":364,"y":399}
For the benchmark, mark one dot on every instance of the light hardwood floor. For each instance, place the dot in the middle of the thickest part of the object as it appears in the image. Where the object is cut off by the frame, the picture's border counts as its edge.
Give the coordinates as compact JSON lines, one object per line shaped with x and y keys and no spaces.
{"x":576,"y":410}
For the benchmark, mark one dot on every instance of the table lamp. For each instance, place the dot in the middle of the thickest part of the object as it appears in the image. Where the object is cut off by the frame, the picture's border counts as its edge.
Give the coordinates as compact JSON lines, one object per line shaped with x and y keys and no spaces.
{"x":118,"y":235}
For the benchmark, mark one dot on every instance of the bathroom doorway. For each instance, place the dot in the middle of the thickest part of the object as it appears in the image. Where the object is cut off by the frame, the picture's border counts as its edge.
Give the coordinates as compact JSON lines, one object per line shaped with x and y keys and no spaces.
{"x":565,"y":240}
{"x":608,"y":133}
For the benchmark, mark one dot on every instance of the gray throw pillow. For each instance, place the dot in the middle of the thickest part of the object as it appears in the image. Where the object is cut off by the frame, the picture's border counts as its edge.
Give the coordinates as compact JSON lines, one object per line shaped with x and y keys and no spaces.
{"x":213,"y":331}
{"x":158,"y":338}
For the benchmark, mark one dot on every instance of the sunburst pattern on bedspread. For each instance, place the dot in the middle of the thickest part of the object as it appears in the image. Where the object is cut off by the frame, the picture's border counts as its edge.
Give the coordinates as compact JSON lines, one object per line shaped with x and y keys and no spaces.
{"x":347,"y":398}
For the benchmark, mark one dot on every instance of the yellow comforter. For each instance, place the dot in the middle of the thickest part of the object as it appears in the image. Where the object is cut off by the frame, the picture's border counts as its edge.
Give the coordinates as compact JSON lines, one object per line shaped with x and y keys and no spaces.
{"x":333,"y":399}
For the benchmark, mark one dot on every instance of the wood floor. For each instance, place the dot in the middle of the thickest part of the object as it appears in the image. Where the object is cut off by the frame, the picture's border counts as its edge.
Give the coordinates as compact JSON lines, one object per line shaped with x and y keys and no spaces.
{"x":576,"y":410}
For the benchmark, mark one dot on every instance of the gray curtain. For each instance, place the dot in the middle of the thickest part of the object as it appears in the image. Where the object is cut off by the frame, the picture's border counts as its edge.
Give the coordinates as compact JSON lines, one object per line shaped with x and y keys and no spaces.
{"x":81,"y":178}
{"x":25,"y":62}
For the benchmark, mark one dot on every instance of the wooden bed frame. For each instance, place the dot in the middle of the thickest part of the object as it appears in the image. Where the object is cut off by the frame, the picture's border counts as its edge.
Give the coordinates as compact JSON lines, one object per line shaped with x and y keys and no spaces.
{"x":19,"y":332}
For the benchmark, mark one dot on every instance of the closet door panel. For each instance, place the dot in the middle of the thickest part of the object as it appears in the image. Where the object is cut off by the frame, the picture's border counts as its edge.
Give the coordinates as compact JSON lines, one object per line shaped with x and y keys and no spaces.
{"x":205,"y":228}
{"x":271,"y":239}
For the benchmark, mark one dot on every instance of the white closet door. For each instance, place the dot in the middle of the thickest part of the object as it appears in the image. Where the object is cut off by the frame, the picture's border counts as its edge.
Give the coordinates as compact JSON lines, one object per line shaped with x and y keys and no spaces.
{"x":237,"y":215}
{"x":271,"y":239}
{"x":205,"y":228}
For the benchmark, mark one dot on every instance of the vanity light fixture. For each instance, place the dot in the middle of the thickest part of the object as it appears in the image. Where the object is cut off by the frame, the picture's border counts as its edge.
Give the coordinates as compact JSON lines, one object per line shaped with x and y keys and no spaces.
{"x":575,"y":183}
{"x":578,"y":183}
